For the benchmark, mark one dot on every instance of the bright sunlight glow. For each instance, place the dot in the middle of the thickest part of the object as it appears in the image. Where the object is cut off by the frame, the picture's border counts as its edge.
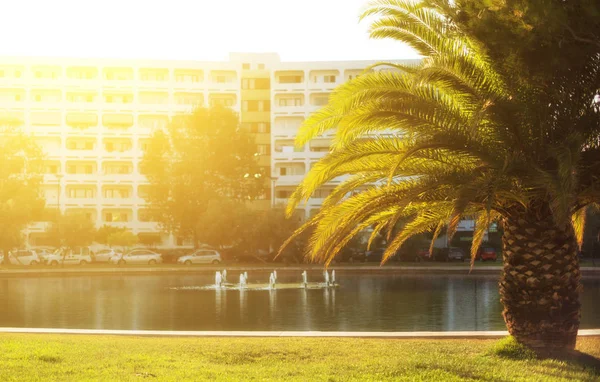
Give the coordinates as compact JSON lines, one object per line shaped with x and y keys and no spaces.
{"x":307,"y":30}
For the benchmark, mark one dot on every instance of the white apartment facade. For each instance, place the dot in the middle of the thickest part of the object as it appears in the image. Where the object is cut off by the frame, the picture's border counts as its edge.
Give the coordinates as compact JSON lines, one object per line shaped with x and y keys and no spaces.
{"x":93,"y":117}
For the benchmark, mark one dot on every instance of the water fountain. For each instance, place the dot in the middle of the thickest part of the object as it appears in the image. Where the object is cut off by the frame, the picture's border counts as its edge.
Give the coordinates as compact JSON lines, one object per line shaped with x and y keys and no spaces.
{"x":271,"y":284}
{"x":272,"y":280}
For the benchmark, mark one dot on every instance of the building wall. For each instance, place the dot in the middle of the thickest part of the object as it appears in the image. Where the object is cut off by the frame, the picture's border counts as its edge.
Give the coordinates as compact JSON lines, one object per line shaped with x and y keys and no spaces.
{"x":93,"y":117}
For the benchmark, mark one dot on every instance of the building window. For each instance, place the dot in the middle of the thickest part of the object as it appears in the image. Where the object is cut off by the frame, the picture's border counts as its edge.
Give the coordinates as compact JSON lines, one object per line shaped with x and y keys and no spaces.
{"x":38,"y":98}
{"x":264,"y":105}
{"x":221,"y":79}
{"x":283,"y":171}
{"x":283,"y":194}
{"x":329,"y":79}
{"x":261,"y":66}
{"x":246,"y":66}
{"x":263,"y":127}
{"x":263,"y":149}
{"x":290,"y":79}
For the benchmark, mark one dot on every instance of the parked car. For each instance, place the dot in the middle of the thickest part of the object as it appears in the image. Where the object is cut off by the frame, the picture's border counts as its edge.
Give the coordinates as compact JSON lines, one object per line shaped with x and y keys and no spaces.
{"x":43,"y":252}
{"x":104,"y":255}
{"x":170,"y":255}
{"x":449,"y":254}
{"x":76,"y":255}
{"x":487,"y":254}
{"x":21,"y":257}
{"x":376,"y":255}
{"x":201,"y":256}
{"x":137,"y":256}
{"x":410,"y":255}
{"x":351,"y":255}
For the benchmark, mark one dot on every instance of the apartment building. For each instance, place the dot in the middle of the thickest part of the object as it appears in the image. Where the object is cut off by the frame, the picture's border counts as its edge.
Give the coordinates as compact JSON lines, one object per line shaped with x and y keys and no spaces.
{"x":93,"y":118}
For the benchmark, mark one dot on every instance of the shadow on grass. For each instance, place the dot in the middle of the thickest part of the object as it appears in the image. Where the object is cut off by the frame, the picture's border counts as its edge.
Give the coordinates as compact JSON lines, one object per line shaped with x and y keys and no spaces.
{"x":511,"y":349}
{"x":49,"y":359}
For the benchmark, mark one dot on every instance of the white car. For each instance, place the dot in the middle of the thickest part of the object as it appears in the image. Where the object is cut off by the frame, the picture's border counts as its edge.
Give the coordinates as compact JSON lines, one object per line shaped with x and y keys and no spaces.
{"x":104,"y":255}
{"x":137,"y":256}
{"x":43,"y":252}
{"x":77,"y":255}
{"x":201,"y":256}
{"x":22,"y":257}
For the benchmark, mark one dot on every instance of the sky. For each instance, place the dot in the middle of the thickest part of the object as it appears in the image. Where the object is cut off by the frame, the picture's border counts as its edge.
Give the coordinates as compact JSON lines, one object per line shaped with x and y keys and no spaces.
{"x":299,"y":30}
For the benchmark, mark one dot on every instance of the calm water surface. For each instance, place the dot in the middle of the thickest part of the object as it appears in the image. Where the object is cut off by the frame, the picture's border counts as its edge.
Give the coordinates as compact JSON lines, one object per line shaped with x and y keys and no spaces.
{"x":361,"y":303}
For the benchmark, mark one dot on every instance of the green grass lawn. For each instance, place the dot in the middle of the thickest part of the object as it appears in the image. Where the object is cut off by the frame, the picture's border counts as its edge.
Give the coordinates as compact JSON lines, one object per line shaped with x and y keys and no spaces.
{"x":73,"y":358}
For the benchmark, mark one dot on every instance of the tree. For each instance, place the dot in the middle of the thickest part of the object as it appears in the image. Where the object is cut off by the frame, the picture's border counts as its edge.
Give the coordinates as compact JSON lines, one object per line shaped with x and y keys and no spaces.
{"x":463,"y":135}
{"x":20,"y":176}
{"x":124,"y":239}
{"x":71,"y":230}
{"x":264,"y":230}
{"x":199,"y":158}
{"x":103,"y":233}
{"x":219,"y":225}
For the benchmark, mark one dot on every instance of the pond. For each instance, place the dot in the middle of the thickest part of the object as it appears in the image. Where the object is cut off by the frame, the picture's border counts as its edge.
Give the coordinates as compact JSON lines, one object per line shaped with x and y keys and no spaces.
{"x":367,"y":302}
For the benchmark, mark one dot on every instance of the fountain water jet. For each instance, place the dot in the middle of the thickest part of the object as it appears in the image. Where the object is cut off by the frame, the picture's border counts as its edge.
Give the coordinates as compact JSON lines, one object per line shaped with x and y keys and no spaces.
{"x":243,"y":281}
{"x":305,"y":279}
{"x":333,"y":277}
{"x":272,"y":280}
{"x":224,"y":275}
{"x":218,"y":280}
{"x":326,"y":275}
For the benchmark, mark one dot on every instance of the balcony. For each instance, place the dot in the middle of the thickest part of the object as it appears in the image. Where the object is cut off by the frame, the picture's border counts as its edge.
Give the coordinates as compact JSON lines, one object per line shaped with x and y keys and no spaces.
{"x":289,"y":80}
{"x":289,"y":110}
{"x":13,"y":76}
{"x":186,"y":78}
{"x":89,"y":154}
{"x":223,"y":80}
{"x":75,"y":75}
{"x":289,"y":180}
{"x":118,"y":77}
{"x":154,"y":77}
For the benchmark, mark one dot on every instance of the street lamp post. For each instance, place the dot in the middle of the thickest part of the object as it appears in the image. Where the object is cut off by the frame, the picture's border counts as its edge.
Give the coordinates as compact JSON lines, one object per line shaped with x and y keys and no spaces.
{"x":58,"y":178}
{"x":273,"y":182}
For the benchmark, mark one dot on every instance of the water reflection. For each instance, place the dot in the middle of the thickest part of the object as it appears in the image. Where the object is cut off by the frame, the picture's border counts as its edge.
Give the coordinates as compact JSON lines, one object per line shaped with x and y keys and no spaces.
{"x":361,"y":303}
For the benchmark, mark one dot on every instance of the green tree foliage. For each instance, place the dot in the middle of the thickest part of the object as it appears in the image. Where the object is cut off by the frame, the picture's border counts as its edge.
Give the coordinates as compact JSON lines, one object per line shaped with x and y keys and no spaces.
{"x":71,"y":230}
{"x":201,"y":157}
{"x":252,"y":231}
{"x":265,"y":230}
{"x":221,"y":222}
{"x":476,"y":130}
{"x":20,"y":177}
{"x":104,"y":232}
{"x":124,"y":239}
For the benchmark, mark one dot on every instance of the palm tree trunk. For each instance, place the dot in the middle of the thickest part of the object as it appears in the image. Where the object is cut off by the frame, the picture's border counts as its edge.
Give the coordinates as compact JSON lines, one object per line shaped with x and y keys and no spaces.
{"x":540,"y":283}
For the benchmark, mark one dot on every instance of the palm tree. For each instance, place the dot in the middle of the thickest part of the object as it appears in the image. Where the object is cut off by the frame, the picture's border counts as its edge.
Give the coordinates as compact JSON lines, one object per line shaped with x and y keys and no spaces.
{"x":453,"y":138}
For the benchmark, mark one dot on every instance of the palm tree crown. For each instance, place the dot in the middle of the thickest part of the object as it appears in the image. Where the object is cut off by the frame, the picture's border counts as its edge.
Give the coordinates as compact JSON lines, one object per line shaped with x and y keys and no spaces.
{"x":449,"y":138}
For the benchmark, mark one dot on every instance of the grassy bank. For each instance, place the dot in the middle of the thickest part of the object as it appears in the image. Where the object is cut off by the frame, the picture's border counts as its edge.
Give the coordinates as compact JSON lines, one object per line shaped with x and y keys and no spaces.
{"x":68,"y":357}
